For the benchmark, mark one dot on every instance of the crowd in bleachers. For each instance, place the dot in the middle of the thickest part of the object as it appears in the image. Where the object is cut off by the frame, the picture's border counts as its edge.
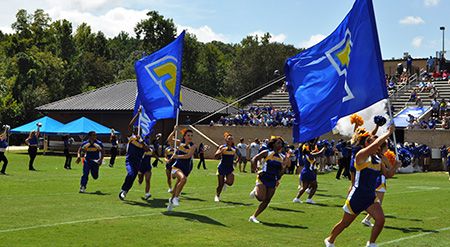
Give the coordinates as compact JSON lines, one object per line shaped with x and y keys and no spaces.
{"x":259,"y":116}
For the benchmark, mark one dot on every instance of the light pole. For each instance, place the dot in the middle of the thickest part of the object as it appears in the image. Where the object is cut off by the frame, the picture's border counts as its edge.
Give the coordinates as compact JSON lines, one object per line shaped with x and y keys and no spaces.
{"x":443,"y":41}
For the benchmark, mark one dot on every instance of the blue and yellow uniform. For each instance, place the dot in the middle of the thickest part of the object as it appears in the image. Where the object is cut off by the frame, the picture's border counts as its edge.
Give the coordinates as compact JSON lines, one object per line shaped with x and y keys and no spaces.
{"x":168,"y":152}
{"x":225,"y":166}
{"x":92,"y":151}
{"x":271,"y":170}
{"x":363,"y":194}
{"x":307,"y":173}
{"x":3,"y":146}
{"x":355,"y":149}
{"x":381,"y":184}
{"x":184,"y":165}
{"x":146,"y":165}
{"x":135,"y":152}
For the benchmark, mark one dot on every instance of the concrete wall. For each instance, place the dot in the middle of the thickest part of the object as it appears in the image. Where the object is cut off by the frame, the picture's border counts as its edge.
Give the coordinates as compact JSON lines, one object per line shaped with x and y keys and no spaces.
{"x":390,"y":66}
{"x":432,"y":138}
{"x":249,"y":133}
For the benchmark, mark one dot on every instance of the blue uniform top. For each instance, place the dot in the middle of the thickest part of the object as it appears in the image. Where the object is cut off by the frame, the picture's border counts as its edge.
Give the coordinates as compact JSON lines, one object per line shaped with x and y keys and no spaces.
{"x":3,"y":145}
{"x":227,"y":156}
{"x":92,"y":150}
{"x":135,"y":150}
{"x":355,"y":149}
{"x":182,"y":150}
{"x":114,"y":143}
{"x":273,"y":163}
{"x":308,"y":162}
{"x":367,"y":174}
{"x":33,"y":141}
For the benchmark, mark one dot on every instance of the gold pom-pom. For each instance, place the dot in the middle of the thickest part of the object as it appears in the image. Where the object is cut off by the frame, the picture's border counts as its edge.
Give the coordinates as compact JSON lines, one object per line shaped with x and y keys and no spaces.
{"x":356,"y":119}
{"x":391,"y":157}
{"x":226,"y":135}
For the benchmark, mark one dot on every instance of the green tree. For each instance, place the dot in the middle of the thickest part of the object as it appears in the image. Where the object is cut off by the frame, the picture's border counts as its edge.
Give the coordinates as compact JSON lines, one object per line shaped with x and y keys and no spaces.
{"x":155,"y":32}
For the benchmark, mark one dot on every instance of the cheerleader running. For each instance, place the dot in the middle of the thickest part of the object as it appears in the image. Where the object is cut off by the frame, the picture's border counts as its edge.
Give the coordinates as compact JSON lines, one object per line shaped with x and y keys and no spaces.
{"x":3,"y":146}
{"x":308,"y":177}
{"x":269,"y":177}
{"x":225,"y":176}
{"x":168,"y":153}
{"x":362,"y":196}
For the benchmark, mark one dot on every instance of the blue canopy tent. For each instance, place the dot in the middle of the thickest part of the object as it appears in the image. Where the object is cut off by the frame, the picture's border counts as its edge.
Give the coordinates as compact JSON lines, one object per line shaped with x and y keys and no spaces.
{"x":49,"y":126}
{"x":82,"y":126}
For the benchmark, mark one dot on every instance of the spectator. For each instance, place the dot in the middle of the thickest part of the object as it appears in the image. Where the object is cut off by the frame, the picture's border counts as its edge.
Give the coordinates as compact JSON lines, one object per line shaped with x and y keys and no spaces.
{"x":434,"y":108}
{"x":430,"y":64}
{"x":409,"y":65}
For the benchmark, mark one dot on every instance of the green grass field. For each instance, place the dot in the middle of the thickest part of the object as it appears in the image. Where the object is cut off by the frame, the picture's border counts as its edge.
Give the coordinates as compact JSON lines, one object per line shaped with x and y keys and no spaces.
{"x":44,"y":208}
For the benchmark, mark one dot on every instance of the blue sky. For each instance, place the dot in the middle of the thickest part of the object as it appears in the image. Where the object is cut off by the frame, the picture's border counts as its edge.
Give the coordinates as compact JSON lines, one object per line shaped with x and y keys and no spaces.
{"x":403,"y":25}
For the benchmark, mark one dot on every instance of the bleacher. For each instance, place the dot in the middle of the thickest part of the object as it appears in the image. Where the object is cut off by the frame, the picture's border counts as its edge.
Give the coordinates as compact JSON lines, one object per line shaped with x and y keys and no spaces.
{"x":278,"y":99}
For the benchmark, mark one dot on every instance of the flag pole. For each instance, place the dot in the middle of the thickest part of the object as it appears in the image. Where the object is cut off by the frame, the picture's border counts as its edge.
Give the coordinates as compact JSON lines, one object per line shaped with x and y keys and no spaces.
{"x":139,"y":120}
{"x":176,"y":130}
{"x":392,"y":120}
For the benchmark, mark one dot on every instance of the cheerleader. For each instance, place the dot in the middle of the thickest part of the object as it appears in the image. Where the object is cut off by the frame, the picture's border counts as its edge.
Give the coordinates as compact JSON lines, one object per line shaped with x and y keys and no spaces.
{"x":182,"y":166}
{"x":268,"y":178}
{"x":168,"y":153}
{"x":388,"y":159}
{"x":93,"y":153}
{"x":225,"y":176}
{"x":308,"y":177}
{"x":3,"y":146}
{"x":135,"y":151}
{"x":362,"y":196}
{"x":145,"y":168}
{"x":32,"y":142}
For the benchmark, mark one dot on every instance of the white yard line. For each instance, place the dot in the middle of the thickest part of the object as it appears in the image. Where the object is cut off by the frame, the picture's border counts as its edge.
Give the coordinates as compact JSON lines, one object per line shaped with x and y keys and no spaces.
{"x":414,"y":236}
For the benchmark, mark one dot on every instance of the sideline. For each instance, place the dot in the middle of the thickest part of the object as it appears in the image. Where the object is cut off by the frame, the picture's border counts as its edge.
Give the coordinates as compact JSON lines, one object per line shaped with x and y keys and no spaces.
{"x":414,"y":236}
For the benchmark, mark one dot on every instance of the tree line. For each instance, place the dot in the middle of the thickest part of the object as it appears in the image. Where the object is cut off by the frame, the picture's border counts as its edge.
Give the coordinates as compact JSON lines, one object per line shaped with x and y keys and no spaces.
{"x":44,"y":60}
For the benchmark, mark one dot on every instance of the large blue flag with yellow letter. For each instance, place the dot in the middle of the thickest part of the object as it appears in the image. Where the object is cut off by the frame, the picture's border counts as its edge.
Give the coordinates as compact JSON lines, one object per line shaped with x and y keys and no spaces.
{"x":159,"y":80}
{"x":340,"y":75}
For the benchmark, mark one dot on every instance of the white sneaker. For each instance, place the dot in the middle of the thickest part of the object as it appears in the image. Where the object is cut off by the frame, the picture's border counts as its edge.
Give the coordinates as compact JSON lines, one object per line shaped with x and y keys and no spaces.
{"x":169,"y":190}
{"x":82,"y":189}
{"x":308,"y":190}
{"x":217,"y":198}
{"x":327,"y":243}
{"x":366,"y":223}
{"x":176,"y":201}
{"x":369,"y":244}
{"x":310,"y":201}
{"x":252,"y":193}
{"x":253,"y":219}
{"x":296,"y":200}
{"x":147,"y":196}
{"x":170,"y":206}
{"x":224,"y":188}
{"x":122,"y":195}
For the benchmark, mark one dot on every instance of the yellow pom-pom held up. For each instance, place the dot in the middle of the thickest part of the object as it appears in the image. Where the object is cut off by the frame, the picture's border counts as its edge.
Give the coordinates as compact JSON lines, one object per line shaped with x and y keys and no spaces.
{"x":356,"y":119}
{"x":391,"y":157}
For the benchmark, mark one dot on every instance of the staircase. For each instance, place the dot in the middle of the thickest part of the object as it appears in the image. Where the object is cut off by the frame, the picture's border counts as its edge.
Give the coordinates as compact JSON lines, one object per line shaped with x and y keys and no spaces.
{"x":278,"y":99}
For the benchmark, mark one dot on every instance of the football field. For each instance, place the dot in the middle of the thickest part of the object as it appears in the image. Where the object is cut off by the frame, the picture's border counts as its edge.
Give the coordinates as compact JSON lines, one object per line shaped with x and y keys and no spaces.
{"x":44,"y":208}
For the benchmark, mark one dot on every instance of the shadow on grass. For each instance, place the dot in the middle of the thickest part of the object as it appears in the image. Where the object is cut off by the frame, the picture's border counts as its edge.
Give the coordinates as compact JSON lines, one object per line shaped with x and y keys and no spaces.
{"x":400,"y":218}
{"x":193,"y":199}
{"x":237,"y":203}
{"x":325,"y":195}
{"x":194,"y":218}
{"x":281,"y":225}
{"x":327,"y":205}
{"x":410,"y":229}
{"x":154,"y":203}
{"x":287,"y":210}
{"x":98,"y":192}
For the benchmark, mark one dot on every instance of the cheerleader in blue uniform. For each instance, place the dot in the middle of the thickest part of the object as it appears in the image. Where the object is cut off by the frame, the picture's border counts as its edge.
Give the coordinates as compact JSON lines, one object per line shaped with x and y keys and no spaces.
{"x":268,"y":178}
{"x":93,"y":153}
{"x":168,"y":153}
{"x":225,"y":176}
{"x":308,"y":177}
{"x":182,"y":166}
{"x":362,"y":196}
{"x":135,"y":152}
{"x":145,"y":168}
{"x":32,"y":142}
{"x":3,"y":146}
{"x":388,"y":159}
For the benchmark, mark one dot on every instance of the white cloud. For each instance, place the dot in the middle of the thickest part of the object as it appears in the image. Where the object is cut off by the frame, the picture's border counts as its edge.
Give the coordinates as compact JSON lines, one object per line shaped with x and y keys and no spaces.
{"x":280,"y":38}
{"x":431,"y":2}
{"x":111,"y":23}
{"x":204,"y":33}
{"x":417,"y":42}
{"x":83,"y":5}
{"x":412,"y":20}
{"x":314,"y":39}
{"x":6,"y":29}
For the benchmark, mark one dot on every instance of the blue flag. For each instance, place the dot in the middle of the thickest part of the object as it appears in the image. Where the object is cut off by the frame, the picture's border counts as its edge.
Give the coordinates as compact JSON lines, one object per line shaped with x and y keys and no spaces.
{"x":159,"y":80}
{"x":339,"y":76}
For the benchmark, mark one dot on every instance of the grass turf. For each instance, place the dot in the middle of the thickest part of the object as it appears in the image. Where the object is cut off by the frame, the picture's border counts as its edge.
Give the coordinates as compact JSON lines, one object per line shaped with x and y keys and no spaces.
{"x":44,"y":208}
